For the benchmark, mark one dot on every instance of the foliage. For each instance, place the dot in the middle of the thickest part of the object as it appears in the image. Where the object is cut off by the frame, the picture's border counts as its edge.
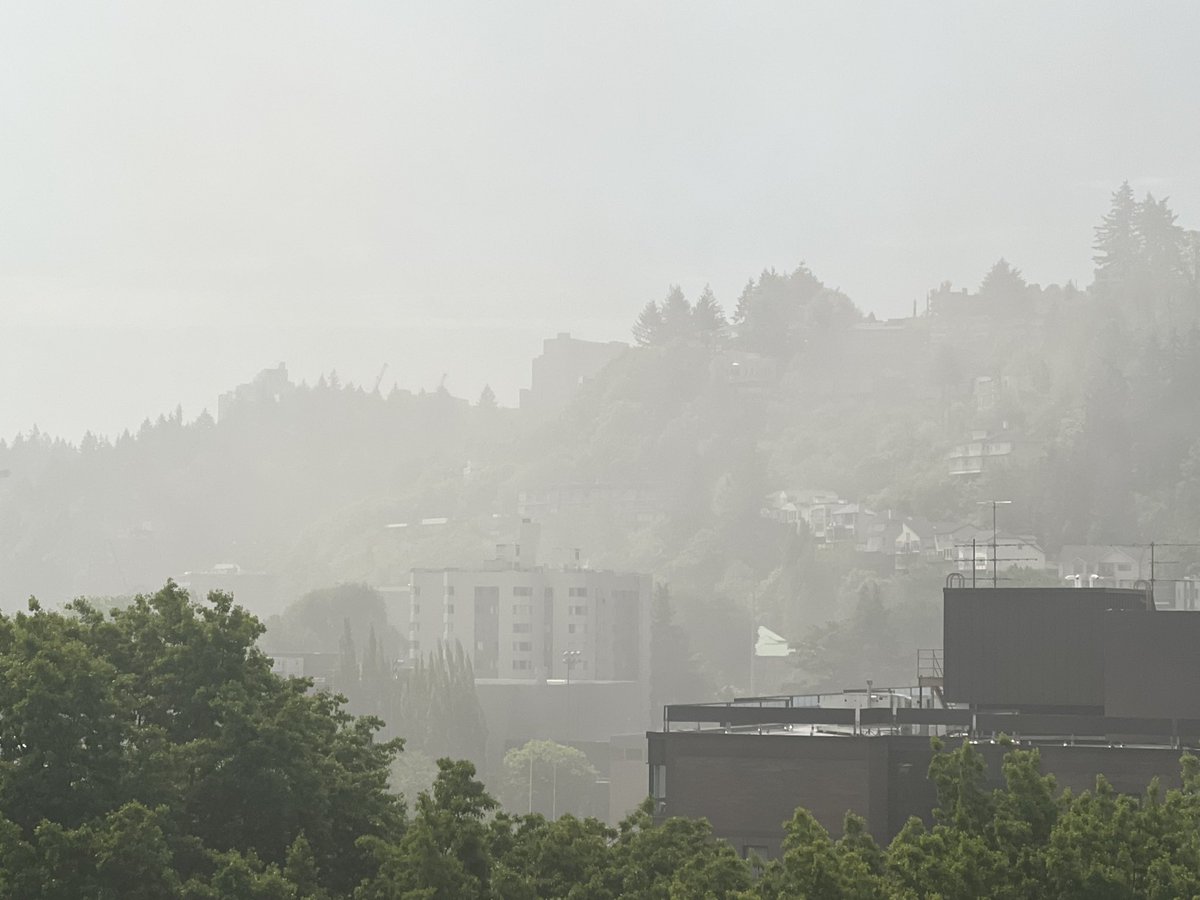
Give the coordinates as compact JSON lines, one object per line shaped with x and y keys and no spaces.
{"x":675,"y":318}
{"x":318,"y":622}
{"x":435,"y":706}
{"x":151,"y":753}
{"x":551,"y":779}
{"x":412,"y":772}
{"x":1002,"y":282}
{"x":153,"y":742}
{"x":676,"y":672}
{"x":779,"y":314}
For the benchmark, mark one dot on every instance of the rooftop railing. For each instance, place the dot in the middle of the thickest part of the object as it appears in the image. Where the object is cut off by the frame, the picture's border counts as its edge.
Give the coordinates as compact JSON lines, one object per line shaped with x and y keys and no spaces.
{"x":796,"y":715}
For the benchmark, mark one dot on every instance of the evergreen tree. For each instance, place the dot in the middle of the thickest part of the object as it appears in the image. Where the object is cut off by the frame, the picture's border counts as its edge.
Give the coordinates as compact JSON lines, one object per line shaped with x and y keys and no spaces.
{"x":676,"y":314}
{"x":776,"y":315}
{"x":437,"y":708}
{"x":745,"y":301}
{"x":1118,"y":244}
{"x":1003,"y":282}
{"x":1163,"y":243}
{"x":708,"y":317}
{"x":648,"y":330}
{"x":487,"y":398}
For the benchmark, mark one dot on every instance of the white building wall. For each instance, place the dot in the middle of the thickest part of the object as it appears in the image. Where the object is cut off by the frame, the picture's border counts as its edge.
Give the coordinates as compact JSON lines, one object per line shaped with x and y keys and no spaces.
{"x":540,"y":613}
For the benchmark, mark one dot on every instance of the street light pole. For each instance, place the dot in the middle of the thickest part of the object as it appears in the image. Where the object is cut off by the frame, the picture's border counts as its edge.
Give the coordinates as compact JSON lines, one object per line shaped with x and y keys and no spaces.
{"x":995,"y":567}
{"x":570,"y":657}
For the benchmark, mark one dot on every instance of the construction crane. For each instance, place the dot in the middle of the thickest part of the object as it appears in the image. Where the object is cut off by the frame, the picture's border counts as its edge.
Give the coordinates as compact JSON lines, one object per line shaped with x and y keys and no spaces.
{"x":379,"y":379}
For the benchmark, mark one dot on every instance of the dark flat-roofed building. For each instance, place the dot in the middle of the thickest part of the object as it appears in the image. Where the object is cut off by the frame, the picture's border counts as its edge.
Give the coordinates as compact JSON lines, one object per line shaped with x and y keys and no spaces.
{"x":1099,"y":680}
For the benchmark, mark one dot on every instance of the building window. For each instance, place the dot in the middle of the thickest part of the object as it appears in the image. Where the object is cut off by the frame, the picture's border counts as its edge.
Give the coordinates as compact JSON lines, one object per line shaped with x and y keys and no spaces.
{"x":450,"y":609}
{"x":522,"y":646}
{"x":522,"y":610}
{"x":521,"y":665}
{"x":522,"y":592}
{"x":449,"y":590}
{"x":548,"y":594}
{"x":577,"y":592}
{"x":580,"y":610}
{"x":522,"y":628}
{"x":577,"y":629}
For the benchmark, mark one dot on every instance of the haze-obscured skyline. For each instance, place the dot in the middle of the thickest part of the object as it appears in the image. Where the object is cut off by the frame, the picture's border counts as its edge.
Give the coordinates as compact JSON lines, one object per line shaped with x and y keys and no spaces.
{"x":192,"y":193}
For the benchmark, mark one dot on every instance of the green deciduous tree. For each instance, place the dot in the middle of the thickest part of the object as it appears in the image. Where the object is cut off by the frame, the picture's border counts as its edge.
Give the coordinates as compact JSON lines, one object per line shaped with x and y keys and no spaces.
{"x":154,"y":741}
{"x":551,"y":779}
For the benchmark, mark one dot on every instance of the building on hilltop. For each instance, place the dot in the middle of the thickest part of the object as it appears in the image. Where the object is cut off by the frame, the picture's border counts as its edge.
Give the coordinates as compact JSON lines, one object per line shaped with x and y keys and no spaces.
{"x":1099,"y":680}
{"x":268,"y":386}
{"x":565,"y":364}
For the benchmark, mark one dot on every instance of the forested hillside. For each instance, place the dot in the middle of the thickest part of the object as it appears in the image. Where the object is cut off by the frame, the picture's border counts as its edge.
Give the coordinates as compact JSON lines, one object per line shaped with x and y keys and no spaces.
{"x":793,"y":387}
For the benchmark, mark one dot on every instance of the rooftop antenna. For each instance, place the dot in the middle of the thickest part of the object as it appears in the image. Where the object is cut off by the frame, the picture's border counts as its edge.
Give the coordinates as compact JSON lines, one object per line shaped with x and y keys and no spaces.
{"x":995,"y":503}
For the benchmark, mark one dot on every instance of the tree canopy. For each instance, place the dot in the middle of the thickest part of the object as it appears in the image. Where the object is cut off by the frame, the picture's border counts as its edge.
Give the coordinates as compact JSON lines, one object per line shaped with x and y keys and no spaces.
{"x":149,"y":752}
{"x":163,"y":721}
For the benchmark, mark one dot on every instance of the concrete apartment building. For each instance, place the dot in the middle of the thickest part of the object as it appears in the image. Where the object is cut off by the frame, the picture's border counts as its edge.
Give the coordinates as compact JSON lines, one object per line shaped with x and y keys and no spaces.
{"x":520,"y":620}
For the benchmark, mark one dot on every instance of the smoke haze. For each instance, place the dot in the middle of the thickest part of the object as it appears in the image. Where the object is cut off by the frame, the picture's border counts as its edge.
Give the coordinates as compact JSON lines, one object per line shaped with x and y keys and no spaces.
{"x":191,"y":193}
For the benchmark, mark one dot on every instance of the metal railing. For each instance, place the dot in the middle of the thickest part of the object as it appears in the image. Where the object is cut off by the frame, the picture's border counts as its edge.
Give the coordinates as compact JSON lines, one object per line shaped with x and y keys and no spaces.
{"x":929,"y":663}
{"x":744,"y":717}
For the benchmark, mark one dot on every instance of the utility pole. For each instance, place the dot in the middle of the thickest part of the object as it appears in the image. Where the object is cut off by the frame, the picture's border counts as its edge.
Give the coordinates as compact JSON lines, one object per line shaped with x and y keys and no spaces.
{"x":995,"y":566}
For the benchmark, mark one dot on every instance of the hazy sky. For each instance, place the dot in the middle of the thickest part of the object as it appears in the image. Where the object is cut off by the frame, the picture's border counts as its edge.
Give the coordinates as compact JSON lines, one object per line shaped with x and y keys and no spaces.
{"x":192,"y":192}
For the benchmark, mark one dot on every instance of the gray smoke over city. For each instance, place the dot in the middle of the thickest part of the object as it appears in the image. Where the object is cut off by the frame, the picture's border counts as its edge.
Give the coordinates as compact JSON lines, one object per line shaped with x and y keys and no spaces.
{"x":620,"y":405}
